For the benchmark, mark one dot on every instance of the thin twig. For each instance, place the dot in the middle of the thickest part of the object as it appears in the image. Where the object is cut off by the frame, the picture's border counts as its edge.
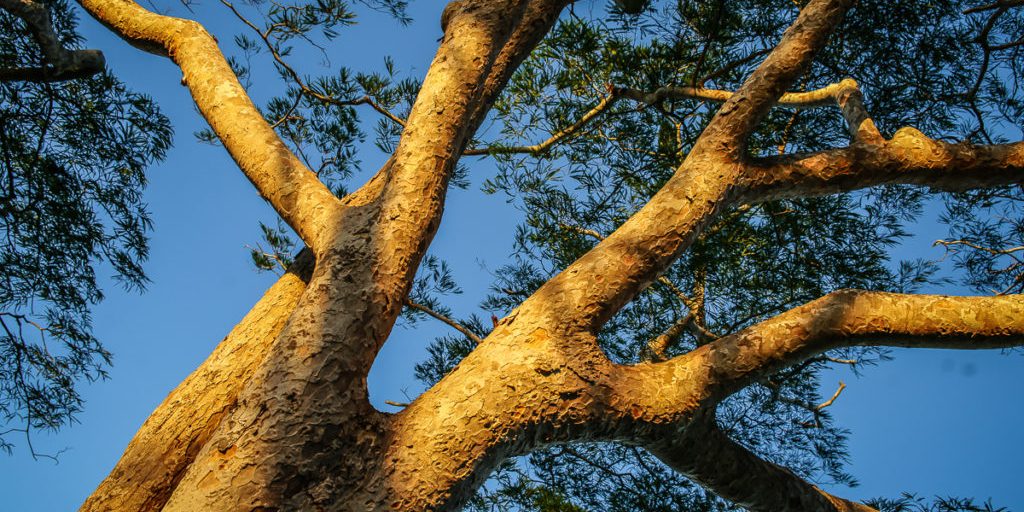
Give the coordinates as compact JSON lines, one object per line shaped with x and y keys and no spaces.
{"x":556,"y":137}
{"x":830,"y":401}
{"x":454,"y":325}
{"x":305,"y":89}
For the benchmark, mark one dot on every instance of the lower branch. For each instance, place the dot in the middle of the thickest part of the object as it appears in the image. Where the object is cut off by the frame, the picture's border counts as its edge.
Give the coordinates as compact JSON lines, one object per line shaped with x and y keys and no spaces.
{"x":850,"y":318}
{"x":708,"y":456}
{"x":672,"y":392}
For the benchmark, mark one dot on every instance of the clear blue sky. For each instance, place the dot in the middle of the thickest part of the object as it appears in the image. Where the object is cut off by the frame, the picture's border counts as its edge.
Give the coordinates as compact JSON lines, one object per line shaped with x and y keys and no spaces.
{"x":931,"y":422}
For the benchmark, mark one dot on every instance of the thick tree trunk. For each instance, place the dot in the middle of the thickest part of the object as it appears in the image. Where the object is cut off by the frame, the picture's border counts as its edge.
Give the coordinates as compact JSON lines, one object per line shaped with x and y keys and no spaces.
{"x":155,"y":460}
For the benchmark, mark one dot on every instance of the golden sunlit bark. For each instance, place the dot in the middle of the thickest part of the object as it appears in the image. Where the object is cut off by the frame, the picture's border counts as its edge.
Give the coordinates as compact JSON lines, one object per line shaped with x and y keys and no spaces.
{"x":168,"y":441}
{"x":278,"y":417}
{"x":292,"y":189}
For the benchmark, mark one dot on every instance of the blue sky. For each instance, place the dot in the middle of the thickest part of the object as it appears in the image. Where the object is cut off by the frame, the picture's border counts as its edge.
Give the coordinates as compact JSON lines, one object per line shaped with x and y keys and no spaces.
{"x":931,"y":422}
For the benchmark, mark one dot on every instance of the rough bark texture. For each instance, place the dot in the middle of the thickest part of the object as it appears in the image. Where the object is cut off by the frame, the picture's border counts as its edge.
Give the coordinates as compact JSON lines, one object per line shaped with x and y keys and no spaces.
{"x":144,"y":478}
{"x":278,"y":418}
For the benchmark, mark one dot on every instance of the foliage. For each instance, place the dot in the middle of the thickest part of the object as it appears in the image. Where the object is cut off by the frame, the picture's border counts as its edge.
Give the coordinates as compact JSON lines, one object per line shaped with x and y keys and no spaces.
{"x":72,"y":156}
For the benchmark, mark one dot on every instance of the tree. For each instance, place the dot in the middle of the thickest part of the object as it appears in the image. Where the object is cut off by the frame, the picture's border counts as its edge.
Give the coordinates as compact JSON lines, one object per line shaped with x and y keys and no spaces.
{"x":74,"y":142}
{"x":283,"y":416}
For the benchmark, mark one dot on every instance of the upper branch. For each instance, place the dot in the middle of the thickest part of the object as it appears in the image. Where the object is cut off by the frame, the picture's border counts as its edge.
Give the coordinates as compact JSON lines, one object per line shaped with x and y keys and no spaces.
{"x":909,"y":158}
{"x":483,"y":44}
{"x":556,"y":137}
{"x":737,"y":119}
{"x":587,"y":293}
{"x":294,"y":191}
{"x":845,"y":94}
{"x":484,"y":41}
{"x":61,"y":63}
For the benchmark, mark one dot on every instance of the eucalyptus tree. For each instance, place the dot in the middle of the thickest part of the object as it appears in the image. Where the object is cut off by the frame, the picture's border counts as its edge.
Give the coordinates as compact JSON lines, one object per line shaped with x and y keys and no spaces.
{"x":74,"y":142}
{"x":708,"y":206}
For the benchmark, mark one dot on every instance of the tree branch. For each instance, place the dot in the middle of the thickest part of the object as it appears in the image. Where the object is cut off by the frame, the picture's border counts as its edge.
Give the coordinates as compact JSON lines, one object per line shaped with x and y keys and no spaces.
{"x":294,"y":191}
{"x":588,"y":292}
{"x":852,"y":318}
{"x":144,"y":478}
{"x":994,"y":5}
{"x":830,"y":401}
{"x":672,"y":392}
{"x":304,"y":89}
{"x":845,"y":94}
{"x":556,"y":137}
{"x":908,"y":158}
{"x":451,"y":323}
{"x":483,"y":43}
{"x":707,"y":455}
{"x":61,"y":64}
{"x":741,"y":113}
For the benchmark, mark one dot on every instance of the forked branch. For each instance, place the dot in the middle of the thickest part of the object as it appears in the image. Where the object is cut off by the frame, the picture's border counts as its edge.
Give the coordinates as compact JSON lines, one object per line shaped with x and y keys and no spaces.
{"x":741,"y":113}
{"x":856,"y":318}
{"x":909,"y":157}
{"x":846,"y":94}
{"x":61,"y":63}
{"x":706,"y":183}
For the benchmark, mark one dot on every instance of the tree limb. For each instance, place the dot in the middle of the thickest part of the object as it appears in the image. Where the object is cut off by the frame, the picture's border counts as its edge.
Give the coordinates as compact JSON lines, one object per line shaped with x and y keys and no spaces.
{"x":294,"y":191}
{"x":61,"y":63}
{"x":588,"y":292}
{"x":908,"y":158}
{"x":671,"y":393}
{"x":556,"y":137}
{"x":707,"y":455}
{"x":994,"y":5}
{"x":855,"y":318}
{"x":741,"y":113}
{"x":144,"y":478}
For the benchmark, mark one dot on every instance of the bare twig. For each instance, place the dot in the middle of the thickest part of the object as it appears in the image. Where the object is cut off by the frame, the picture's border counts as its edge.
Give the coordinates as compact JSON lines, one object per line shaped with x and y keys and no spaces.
{"x":842,"y":361}
{"x":454,"y":325}
{"x":832,"y":400}
{"x":994,"y":252}
{"x":556,"y":137}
